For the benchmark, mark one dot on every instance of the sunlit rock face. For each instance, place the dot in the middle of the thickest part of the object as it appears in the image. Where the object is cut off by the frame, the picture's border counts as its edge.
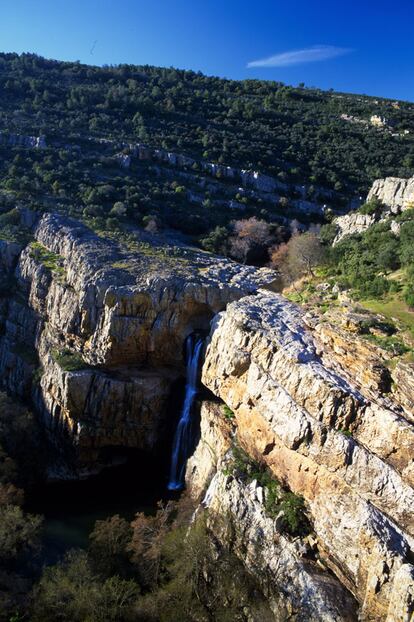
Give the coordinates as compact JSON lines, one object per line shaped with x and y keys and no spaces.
{"x":208,"y":457}
{"x":93,"y":332}
{"x":290,"y":385}
{"x":94,"y":328}
{"x":296,"y":585}
{"x":395,"y":193}
{"x":351,"y":223}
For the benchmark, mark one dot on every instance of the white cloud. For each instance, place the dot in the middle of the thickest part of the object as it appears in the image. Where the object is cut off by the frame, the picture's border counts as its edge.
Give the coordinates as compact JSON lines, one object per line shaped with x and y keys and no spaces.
{"x":297,"y":57}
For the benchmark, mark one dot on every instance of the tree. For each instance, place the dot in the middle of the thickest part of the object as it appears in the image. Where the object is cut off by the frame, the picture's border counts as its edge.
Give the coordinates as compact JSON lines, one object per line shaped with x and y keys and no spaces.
{"x":216,"y":241}
{"x":119,"y":209}
{"x":305,"y":253}
{"x":19,"y":534}
{"x":71,"y":592}
{"x":148,"y":533}
{"x":250,"y":240}
{"x":298,"y":257}
{"x":108,"y":545}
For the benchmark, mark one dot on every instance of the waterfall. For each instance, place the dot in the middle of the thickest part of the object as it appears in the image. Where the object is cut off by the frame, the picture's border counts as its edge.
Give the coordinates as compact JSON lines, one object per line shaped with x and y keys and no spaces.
{"x":184,"y":434}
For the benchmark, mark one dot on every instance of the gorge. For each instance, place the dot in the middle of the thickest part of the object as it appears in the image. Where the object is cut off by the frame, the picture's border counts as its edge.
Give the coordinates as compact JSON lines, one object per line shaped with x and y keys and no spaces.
{"x":93,"y":334}
{"x":206,"y":347}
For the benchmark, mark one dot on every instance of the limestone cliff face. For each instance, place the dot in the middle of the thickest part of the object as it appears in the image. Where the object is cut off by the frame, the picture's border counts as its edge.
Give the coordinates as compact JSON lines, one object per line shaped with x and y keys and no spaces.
{"x":94,"y":331}
{"x":395,"y":193}
{"x":297,"y":587}
{"x":291,"y":386}
{"x":351,"y":223}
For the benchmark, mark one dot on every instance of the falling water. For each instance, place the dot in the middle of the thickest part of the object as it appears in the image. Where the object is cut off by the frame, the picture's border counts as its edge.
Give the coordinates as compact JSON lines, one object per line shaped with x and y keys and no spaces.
{"x":184,"y":434}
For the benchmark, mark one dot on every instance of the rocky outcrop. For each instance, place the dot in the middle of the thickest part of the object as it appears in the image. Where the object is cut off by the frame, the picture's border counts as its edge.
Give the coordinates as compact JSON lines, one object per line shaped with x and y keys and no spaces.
{"x":297,"y":586}
{"x":396,"y":193}
{"x":350,"y":456}
{"x":102,"y":328}
{"x":353,"y":223}
{"x":403,"y":377}
{"x":93,"y":331}
{"x":258,"y":184}
{"x":214,"y":442}
{"x":20,"y":140}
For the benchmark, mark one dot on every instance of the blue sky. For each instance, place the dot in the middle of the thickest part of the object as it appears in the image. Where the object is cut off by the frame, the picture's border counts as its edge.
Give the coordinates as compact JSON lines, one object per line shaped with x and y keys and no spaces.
{"x":362,"y":46}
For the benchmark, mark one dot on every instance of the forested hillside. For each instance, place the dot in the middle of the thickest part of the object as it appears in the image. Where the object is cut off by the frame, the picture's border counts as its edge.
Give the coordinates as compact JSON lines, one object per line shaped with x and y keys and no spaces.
{"x":68,"y":136}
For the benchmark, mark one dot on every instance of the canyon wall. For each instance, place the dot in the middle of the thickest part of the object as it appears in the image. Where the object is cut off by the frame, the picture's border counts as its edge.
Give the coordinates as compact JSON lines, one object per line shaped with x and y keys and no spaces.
{"x":304,"y":407}
{"x":93,"y":332}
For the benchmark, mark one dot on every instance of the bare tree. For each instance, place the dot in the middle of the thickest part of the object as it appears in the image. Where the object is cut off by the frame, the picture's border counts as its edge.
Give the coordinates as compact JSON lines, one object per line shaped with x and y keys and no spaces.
{"x":250,"y":234}
{"x":148,"y":533}
{"x":298,"y":257}
{"x":305,"y":253}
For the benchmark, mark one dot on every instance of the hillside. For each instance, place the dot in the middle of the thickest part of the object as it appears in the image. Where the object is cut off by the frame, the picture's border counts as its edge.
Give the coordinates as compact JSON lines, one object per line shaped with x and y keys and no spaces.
{"x":185,"y":437}
{"x":129,"y":144}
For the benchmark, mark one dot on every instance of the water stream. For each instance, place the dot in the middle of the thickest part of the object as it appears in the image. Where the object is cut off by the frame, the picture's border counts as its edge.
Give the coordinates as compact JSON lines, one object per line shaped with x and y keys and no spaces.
{"x":184,"y":434}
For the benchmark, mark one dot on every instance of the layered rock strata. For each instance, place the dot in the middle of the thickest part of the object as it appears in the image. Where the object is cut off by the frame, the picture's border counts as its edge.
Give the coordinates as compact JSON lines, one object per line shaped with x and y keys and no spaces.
{"x":100,"y":328}
{"x":296,"y":585}
{"x":348,"y":454}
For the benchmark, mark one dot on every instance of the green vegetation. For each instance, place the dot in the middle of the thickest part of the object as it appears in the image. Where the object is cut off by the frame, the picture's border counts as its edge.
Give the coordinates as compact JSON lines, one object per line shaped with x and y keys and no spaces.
{"x":89,"y":114}
{"x":391,"y":307}
{"x":228,"y":413}
{"x":50,"y":260}
{"x":279,"y":503}
{"x":372,"y":207}
{"x":394,"y":345}
{"x":69,"y":361}
{"x":159,"y":568}
{"x":21,"y":468}
{"x":164,"y":567}
{"x":378,"y":266}
{"x":11,"y":229}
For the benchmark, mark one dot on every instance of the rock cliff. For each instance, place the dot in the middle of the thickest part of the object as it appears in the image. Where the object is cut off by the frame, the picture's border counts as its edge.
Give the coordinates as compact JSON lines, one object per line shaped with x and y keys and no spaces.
{"x":94,"y":331}
{"x":303,"y":407}
{"x":394,"y":193}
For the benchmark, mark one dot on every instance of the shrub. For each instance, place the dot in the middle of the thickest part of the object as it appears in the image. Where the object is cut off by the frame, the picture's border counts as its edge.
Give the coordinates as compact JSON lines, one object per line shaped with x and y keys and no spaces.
{"x":228,"y":413}
{"x":50,"y":260}
{"x":19,"y":534}
{"x":71,"y":591}
{"x":69,"y":361}
{"x":372,"y":207}
{"x":290,"y":508}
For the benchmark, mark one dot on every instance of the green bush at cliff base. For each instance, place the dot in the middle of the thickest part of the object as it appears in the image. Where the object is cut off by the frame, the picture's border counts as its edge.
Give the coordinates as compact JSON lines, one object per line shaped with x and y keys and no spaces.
{"x":165,"y":567}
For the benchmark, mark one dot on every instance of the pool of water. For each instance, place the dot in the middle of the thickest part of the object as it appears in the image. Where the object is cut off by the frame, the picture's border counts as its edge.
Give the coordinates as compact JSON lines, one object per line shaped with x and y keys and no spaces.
{"x":71,"y":508}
